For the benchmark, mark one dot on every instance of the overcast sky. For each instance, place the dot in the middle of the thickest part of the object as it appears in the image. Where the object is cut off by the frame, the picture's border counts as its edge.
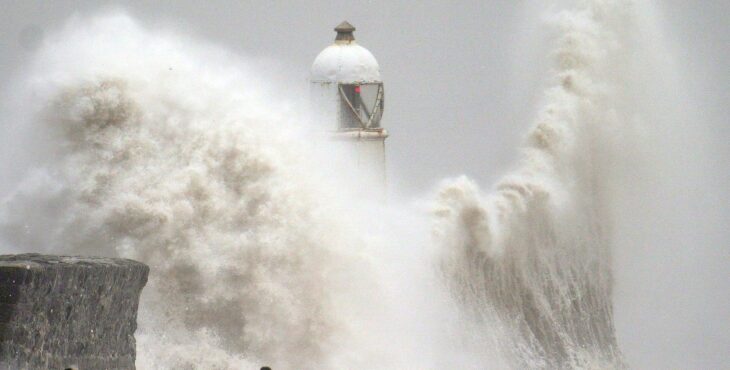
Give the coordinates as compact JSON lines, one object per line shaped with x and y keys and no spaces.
{"x":463,"y":78}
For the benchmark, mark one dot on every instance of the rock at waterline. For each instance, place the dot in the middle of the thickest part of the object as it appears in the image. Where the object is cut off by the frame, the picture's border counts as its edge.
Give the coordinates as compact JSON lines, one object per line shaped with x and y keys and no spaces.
{"x":59,"y":312}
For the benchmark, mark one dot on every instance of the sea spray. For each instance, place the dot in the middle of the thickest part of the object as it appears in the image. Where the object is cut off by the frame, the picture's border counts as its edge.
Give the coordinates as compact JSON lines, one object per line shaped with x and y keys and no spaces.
{"x":530,"y":263}
{"x":152,"y":146}
{"x":170,"y":152}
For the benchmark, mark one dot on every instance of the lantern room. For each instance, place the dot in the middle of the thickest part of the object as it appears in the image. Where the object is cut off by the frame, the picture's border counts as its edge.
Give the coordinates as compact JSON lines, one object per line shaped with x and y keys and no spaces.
{"x":346,"y":84}
{"x":347,"y":99}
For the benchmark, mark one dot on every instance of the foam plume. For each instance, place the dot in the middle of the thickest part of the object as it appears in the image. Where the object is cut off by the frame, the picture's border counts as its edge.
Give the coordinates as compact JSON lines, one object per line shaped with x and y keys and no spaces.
{"x":531,"y":261}
{"x":172,"y":154}
{"x":156,"y":147}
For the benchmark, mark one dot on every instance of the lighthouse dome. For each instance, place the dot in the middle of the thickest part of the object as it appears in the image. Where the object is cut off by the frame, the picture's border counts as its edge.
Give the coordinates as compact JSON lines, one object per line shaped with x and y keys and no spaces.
{"x":345,"y":61}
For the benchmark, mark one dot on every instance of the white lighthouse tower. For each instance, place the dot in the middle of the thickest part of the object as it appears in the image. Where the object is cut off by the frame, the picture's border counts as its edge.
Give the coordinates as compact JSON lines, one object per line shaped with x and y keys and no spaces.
{"x":347,"y":95}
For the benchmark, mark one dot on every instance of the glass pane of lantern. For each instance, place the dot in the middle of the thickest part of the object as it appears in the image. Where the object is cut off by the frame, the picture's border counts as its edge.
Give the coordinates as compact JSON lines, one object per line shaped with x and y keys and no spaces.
{"x":369,"y":94}
{"x":369,"y":103}
{"x":362,"y":105}
{"x":350,"y":111}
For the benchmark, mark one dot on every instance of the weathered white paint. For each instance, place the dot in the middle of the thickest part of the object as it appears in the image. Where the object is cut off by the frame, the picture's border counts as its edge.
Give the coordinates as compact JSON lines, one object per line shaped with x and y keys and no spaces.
{"x":345,"y":63}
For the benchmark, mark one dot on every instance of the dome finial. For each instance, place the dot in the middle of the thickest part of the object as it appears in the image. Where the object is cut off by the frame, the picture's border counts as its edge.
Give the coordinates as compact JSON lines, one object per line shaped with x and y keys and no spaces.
{"x":344,"y":32}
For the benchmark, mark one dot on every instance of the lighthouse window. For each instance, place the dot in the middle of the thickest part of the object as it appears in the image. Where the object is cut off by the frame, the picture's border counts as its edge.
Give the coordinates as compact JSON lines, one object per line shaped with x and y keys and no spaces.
{"x":362,"y":105}
{"x":350,"y":106}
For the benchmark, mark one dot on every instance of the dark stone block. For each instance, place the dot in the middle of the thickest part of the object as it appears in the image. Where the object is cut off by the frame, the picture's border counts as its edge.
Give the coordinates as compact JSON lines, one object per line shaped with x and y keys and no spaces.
{"x":60,"y":312}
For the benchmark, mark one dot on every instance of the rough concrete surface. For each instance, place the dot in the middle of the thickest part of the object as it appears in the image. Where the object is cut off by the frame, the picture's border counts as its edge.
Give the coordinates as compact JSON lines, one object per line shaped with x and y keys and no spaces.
{"x":59,"y":312}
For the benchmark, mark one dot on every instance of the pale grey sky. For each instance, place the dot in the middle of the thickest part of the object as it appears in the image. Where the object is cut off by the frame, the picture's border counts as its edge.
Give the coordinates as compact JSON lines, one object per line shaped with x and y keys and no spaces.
{"x":463,"y":80}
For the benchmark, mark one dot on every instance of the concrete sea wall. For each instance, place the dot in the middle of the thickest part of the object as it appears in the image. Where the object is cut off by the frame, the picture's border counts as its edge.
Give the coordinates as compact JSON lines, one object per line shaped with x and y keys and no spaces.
{"x":59,"y":312}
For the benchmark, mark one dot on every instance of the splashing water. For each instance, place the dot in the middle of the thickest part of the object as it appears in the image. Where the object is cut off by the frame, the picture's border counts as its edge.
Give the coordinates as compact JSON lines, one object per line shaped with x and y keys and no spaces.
{"x":191,"y":169}
{"x":158,"y":148}
{"x":531,"y":261}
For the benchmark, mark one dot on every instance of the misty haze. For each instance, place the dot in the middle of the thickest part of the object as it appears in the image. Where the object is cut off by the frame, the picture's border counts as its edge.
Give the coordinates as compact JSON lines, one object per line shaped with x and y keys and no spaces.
{"x":366,"y":185}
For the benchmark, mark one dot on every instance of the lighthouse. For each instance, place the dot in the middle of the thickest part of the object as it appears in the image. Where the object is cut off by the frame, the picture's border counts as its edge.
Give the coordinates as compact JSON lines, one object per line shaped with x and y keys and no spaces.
{"x":348,"y":99}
